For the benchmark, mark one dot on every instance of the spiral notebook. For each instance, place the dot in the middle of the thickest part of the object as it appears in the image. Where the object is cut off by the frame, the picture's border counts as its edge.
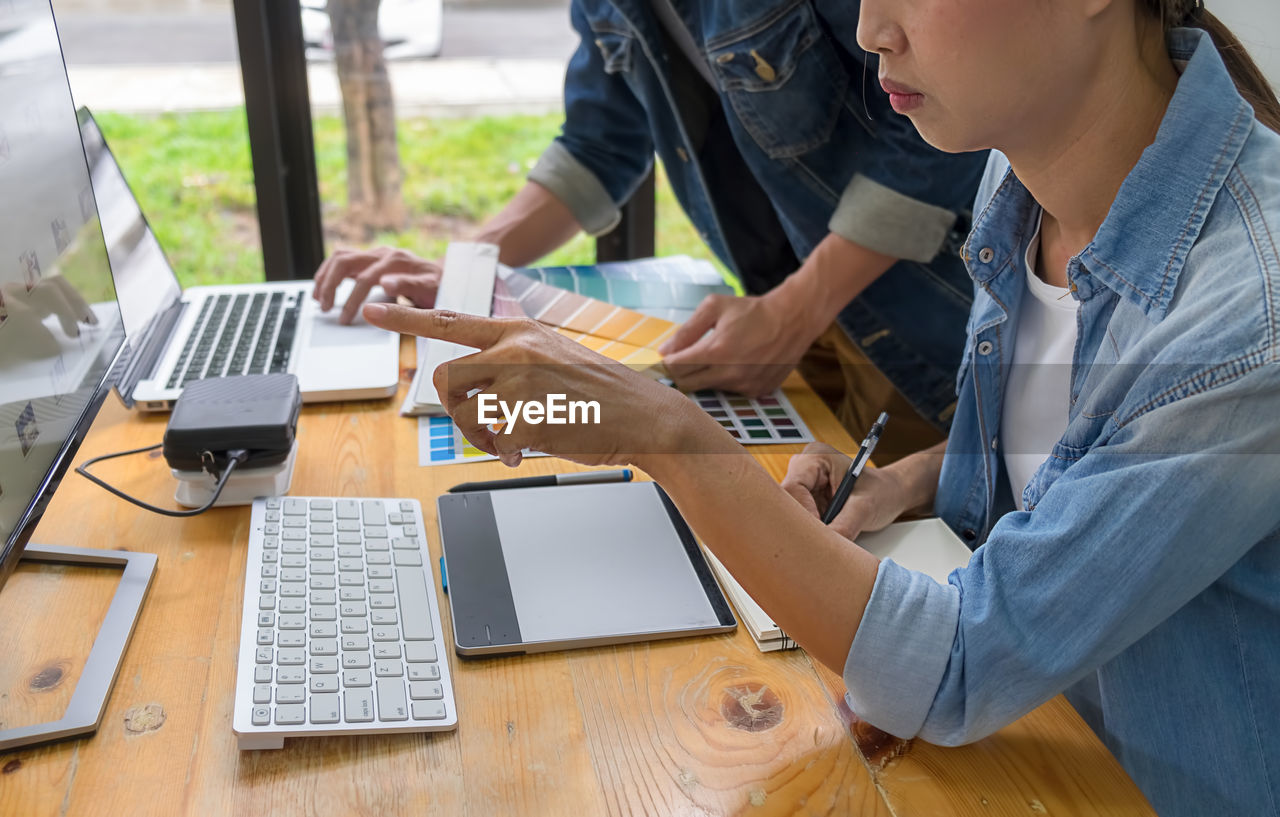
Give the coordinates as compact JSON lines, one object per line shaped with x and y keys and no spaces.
{"x":926,"y":545}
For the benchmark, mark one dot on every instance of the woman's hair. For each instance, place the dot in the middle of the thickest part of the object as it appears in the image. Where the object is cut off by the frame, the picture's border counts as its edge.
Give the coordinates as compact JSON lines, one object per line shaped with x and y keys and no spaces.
{"x":1250,"y":82}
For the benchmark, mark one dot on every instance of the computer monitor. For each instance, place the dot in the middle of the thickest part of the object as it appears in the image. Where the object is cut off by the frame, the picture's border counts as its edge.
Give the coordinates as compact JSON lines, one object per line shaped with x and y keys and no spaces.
{"x":61,"y":332}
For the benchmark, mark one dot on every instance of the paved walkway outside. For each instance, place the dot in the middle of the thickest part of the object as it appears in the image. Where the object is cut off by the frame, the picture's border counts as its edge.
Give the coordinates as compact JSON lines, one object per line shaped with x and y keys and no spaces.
{"x":441,"y":87}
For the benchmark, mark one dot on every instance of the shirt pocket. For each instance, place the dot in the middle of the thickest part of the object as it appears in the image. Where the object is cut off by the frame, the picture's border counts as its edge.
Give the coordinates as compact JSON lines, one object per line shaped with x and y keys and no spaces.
{"x":783,"y":79}
{"x":615,"y":44}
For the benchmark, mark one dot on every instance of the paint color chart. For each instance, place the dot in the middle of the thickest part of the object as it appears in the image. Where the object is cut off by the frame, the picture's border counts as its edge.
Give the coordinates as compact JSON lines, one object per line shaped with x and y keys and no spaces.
{"x":755,"y":420}
{"x":669,"y":288}
{"x":441,"y":443}
{"x":768,"y":420}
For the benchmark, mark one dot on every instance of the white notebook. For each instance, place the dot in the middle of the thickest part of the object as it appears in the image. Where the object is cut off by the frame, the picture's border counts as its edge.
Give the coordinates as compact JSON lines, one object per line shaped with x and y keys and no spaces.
{"x":926,"y":545}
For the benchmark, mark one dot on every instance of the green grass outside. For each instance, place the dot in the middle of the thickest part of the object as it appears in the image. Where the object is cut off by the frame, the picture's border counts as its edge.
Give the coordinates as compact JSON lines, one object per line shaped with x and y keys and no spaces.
{"x":193,"y":176}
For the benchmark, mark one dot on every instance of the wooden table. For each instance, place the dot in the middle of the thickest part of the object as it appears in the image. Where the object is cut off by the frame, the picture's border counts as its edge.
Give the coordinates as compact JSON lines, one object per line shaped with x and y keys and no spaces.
{"x":694,"y":726}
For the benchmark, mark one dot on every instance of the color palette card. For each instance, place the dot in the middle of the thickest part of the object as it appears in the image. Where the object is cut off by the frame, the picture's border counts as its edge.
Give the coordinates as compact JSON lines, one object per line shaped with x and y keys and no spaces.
{"x":441,"y":443}
{"x":755,"y":420}
{"x":670,"y":287}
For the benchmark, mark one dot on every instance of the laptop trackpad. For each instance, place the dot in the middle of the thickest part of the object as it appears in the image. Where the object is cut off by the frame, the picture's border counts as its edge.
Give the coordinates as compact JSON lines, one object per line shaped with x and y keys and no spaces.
{"x":326,"y":331}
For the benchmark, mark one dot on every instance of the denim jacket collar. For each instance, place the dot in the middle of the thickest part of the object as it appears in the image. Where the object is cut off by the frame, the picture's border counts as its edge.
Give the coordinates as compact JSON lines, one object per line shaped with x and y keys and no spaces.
{"x":1202,"y":133}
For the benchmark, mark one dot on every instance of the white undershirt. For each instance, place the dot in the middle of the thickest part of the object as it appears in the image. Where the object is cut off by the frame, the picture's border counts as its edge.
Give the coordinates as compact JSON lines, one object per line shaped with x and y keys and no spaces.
{"x":1039,"y":387}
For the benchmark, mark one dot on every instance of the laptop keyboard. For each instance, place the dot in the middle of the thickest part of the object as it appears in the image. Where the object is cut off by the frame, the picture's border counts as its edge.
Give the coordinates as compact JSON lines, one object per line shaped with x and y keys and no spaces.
{"x":341,"y":628}
{"x":250,"y":333}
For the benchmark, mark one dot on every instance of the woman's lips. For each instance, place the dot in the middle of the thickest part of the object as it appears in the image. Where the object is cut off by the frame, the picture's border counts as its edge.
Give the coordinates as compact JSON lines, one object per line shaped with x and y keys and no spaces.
{"x":904,"y":99}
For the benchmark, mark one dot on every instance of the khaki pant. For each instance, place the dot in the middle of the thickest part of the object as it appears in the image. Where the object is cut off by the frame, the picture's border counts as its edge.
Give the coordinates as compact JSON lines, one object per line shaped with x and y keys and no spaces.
{"x":857,"y":392}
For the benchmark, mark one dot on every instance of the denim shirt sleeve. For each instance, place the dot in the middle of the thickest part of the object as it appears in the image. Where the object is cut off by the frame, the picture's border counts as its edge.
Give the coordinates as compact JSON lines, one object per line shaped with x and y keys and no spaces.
{"x":881,"y":219}
{"x":604,"y":150}
{"x":1129,"y":533}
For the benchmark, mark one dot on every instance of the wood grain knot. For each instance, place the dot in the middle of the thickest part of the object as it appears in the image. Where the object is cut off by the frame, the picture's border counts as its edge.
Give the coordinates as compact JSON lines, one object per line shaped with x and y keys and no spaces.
{"x":47,"y":678}
{"x":751,"y":707}
{"x":147,"y":718}
{"x":11,"y":767}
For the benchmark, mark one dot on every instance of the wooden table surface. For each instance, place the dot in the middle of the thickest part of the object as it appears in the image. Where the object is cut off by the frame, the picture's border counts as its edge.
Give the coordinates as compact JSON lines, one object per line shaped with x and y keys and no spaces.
{"x":693,"y":726}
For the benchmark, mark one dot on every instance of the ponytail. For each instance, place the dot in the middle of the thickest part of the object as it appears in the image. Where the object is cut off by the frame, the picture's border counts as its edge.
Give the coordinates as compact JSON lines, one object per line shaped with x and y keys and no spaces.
{"x":1249,"y":80}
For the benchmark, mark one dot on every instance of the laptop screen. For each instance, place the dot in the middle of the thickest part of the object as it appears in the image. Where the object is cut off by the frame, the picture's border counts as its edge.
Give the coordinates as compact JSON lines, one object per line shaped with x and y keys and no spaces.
{"x":60,"y":327}
{"x":143,"y":276}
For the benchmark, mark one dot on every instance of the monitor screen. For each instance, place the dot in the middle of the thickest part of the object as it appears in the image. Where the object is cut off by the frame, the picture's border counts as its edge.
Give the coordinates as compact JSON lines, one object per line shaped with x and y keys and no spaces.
{"x":144,"y":279}
{"x":60,"y":325}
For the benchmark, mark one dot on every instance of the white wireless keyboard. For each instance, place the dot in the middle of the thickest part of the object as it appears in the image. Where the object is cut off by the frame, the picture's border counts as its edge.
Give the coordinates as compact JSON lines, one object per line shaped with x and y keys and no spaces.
{"x":341,"y":632}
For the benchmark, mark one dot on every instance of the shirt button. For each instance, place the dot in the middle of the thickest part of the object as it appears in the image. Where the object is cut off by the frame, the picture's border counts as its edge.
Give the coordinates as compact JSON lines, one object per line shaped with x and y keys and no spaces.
{"x":969,"y":534}
{"x":986,"y":254}
{"x":985,"y":347}
{"x":994,"y":443}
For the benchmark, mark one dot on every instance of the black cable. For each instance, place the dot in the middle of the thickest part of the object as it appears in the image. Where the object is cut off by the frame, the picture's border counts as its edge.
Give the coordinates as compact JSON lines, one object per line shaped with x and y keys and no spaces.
{"x":234,"y":458}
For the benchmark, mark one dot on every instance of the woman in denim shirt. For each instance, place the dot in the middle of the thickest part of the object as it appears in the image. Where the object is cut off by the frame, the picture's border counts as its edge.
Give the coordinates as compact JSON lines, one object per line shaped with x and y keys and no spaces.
{"x":1136,"y":567}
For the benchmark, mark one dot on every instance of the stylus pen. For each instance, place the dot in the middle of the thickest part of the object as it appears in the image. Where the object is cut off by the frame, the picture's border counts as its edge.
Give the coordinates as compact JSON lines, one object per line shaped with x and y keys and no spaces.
{"x":581,"y":478}
{"x":855,"y":469}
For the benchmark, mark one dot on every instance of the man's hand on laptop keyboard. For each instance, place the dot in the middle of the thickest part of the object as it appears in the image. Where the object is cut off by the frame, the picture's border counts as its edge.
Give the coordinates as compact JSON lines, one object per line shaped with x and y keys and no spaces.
{"x":400,"y":274}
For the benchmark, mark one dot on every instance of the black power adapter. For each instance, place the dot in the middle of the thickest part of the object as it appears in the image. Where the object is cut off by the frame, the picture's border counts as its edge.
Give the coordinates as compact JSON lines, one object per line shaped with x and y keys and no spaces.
{"x":221,"y":424}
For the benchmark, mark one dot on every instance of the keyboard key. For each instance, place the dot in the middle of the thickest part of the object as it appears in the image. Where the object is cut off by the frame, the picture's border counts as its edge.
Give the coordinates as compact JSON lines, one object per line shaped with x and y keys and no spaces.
{"x":261,"y":715}
{"x":324,"y":708}
{"x":323,"y":665}
{"x":408,"y":558}
{"x":328,"y":597}
{"x":354,"y":625}
{"x":358,"y":705}
{"x":353,"y":608}
{"x":382,"y":601}
{"x":426,"y":690}
{"x":294,"y":694}
{"x":357,"y":678}
{"x":404,"y":543}
{"x":379,"y":572}
{"x":293,"y":622}
{"x":293,"y":605}
{"x":355,"y":660}
{"x":384,"y":617}
{"x":324,"y":646}
{"x":376,"y":532}
{"x":262,"y":674}
{"x":290,"y":675}
{"x":322,"y":504}
{"x":264,"y":655}
{"x":324,"y":614}
{"x":347,"y":525}
{"x":388,"y":669}
{"x":295,"y":507}
{"x":392,"y":705}
{"x":291,"y":657}
{"x":323,"y":683}
{"x":323,"y":583}
{"x":428,"y":710}
{"x":266,"y":602}
{"x":355,"y":642}
{"x":266,"y":636}
{"x":289,"y":714}
{"x":291,"y":638}
{"x":269,"y":571}
{"x":406,"y":506}
{"x":415,"y":609}
{"x":374,"y":513}
{"x":323,"y":629}
{"x":351,"y":580}
{"x":348,"y":509}
{"x":423,"y":672}
{"x":381,"y":586}
{"x":420,"y":651}
{"x":262,"y":694}
{"x":390,"y":649}
{"x":272,"y":503}
{"x":377,"y":558}
{"x":293,"y":590}
{"x":386,"y":633}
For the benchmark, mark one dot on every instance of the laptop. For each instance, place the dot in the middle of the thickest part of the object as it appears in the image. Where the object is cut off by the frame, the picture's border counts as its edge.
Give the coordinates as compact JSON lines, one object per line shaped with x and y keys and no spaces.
{"x":177,"y":336}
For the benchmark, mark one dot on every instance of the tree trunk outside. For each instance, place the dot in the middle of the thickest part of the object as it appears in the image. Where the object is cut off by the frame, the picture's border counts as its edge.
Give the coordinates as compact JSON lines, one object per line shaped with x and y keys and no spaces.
{"x":374,"y":199}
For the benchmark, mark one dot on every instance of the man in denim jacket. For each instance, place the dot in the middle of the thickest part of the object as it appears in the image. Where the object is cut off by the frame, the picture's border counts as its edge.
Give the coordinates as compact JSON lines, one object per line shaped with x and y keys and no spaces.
{"x":782,"y":148}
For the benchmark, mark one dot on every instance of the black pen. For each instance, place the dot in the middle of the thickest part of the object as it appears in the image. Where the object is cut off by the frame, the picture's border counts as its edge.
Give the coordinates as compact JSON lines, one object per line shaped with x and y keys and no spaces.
{"x":855,"y":468}
{"x":579,"y":478}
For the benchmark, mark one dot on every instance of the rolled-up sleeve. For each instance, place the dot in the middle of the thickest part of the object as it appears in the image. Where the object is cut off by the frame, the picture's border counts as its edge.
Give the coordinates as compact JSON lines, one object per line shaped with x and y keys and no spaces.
{"x":577,"y":188}
{"x":881,"y":219}
{"x":901,"y":649}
